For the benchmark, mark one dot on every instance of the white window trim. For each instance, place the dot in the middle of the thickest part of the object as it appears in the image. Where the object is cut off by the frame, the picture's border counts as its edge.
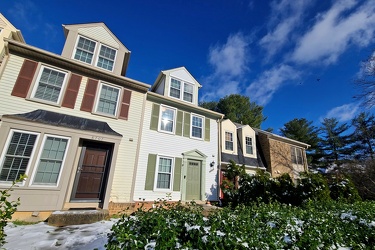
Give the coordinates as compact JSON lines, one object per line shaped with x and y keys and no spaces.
{"x":294,"y":148}
{"x":98,"y":99}
{"x":98,"y":54}
{"x":182,"y":89}
{"x":174,"y":119}
{"x":6,"y":145}
{"x":252,"y":144}
{"x":226,"y":131}
{"x":36,"y":84}
{"x":75,"y":50}
{"x":157,"y":171}
{"x":191,"y":126}
{"x":38,"y":159}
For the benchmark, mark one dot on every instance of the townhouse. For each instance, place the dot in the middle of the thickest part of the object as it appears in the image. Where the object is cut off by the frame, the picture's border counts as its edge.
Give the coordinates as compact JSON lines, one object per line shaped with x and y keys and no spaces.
{"x":70,"y":122}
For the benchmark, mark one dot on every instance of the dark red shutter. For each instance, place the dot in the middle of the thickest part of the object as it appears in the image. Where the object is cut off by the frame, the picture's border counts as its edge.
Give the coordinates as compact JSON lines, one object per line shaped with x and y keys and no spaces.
{"x":125,"y":104}
{"x":89,"y":96}
{"x":72,"y":91}
{"x":25,"y":77}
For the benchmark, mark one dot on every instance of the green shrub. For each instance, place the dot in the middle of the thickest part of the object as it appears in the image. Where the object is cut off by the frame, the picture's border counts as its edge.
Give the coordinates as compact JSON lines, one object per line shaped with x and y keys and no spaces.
{"x":312,"y":186}
{"x":7,"y":208}
{"x":314,"y":225}
{"x":342,"y":188}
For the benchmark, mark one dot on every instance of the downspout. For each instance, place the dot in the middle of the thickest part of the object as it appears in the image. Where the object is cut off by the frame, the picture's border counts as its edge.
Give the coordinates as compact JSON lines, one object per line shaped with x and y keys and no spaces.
{"x":219,"y":121}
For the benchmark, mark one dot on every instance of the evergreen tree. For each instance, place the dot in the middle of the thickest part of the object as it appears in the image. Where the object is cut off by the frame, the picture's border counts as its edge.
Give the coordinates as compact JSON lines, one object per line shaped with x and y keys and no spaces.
{"x":238,"y":108}
{"x":302,"y":130}
{"x":364,"y":134}
{"x":336,"y":145}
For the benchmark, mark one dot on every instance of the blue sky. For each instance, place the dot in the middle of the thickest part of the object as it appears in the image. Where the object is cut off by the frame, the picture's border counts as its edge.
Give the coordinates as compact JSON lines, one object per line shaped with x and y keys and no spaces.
{"x":296,"y":58}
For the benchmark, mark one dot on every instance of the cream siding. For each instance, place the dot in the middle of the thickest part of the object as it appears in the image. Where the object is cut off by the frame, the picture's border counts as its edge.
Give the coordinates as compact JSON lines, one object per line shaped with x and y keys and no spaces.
{"x":182,"y":74}
{"x":125,"y":163}
{"x":154,"y":142}
{"x":100,"y":34}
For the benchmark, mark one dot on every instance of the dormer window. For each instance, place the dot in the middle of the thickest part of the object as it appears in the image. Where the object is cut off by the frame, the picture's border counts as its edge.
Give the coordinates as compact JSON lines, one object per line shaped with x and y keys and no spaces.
{"x":90,"y":51}
{"x":229,"y":141}
{"x":177,"y":86}
{"x":249,"y":145}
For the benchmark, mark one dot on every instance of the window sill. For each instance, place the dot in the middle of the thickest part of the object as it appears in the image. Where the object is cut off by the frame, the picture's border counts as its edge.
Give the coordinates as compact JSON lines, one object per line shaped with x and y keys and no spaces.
{"x":58,"y":105}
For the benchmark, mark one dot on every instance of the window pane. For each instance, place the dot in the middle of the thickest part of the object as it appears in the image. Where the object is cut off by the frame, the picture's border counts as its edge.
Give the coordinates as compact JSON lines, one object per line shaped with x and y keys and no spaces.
{"x":50,"y":85}
{"x":197,"y":127}
{"x":164,"y":173}
{"x":167,"y":119}
{"x":175,"y":88}
{"x":249,"y":145}
{"x":106,"y":57}
{"x":17,"y":156}
{"x":51,"y":160}
{"x":188,"y":92}
{"x":108,"y":100}
{"x":228,"y":141}
{"x":85,"y":50}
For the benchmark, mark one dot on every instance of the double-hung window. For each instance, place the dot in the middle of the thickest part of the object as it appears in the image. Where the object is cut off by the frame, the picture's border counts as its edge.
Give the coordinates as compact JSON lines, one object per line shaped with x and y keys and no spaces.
{"x":229,"y":141}
{"x":108,"y":100}
{"x":49,"y":85}
{"x":85,"y":50}
{"x":164,"y":173}
{"x":51,"y":160}
{"x":249,"y":145}
{"x":197,"y":127}
{"x":106,"y":58}
{"x":175,"y":88}
{"x":95,"y":53}
{"x":167,"y":119}
{"x":296,"y":155}
{"x":188,"y":92}
{"x":17,"y":155}
{"x":181,"y":90}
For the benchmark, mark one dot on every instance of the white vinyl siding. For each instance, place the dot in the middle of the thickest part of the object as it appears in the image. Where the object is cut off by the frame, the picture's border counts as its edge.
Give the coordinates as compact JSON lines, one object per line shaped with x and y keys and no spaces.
{"x":167,"y":119}
{"x":108,"y":100}
{"x":229,"y":141}
{"x":16,"y":158}
{"x":49,"y":85}
{"x":51,"y":160}
{"x":197,"y":127}
{"x":164,"y":173}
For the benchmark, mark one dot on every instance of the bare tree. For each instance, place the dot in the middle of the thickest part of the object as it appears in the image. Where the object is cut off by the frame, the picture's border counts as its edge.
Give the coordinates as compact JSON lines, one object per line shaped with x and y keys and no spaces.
{"x":366,"y":83}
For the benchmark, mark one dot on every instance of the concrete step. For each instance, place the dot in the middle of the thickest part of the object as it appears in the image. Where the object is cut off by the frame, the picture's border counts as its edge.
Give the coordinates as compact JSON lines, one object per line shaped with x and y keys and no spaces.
{"x":76,"y":217}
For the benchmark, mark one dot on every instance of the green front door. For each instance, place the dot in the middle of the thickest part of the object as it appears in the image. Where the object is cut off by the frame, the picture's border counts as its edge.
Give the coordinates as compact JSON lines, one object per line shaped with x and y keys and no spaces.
{"x":193,"y":180}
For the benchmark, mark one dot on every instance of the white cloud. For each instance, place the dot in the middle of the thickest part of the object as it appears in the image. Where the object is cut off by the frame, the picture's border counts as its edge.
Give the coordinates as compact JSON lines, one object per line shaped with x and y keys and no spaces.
{"x":229,"y":59}
{"x":229,"y":62}
{"x":262,"y":90}
{"x":285,"y":16}
{"x":343,"y":113}
{"x":335,"y":30}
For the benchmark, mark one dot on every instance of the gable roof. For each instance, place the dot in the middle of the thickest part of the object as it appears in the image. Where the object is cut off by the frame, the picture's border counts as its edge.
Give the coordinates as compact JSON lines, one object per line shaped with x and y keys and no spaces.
{"x":165,"y":72}
{"x":16,"y":33}
{"x":282,"y":138}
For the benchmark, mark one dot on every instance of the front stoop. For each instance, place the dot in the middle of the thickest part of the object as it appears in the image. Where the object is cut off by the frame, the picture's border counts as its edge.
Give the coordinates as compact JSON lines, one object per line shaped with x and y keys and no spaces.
{"x":76,"y":217}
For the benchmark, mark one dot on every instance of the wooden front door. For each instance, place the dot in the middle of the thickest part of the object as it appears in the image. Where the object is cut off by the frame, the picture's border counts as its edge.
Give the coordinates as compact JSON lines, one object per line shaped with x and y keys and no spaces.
{"x":91,"y":174}
{"x":193,"y":180}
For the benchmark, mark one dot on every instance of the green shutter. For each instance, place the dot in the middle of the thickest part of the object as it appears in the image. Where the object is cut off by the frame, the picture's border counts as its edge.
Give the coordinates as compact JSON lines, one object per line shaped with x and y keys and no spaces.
{"x":207,"y":129}
{"x":150,"y":174}
{"x":155,"y":117}
{"x":177,"y":174}
{"x":187,"y":125}
{"x":180,"y":116}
